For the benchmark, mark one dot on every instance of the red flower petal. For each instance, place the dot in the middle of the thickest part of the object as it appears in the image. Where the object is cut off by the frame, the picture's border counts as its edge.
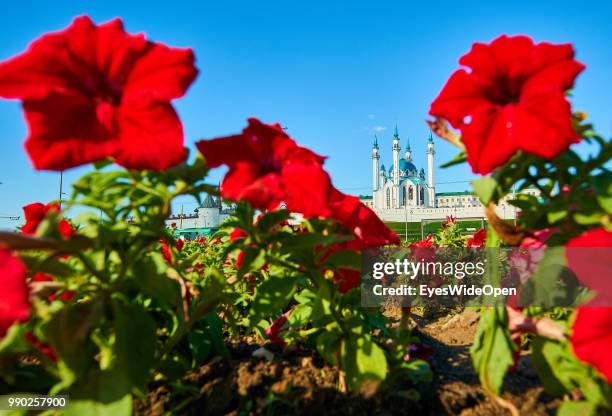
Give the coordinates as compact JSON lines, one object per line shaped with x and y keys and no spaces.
{"x":135,"y":123}
{"x":591,"y":338}
{"x":588,"y":255}
{"x":161,"y":73}
{"x":305,"y":186}
{"x":34,"y":214}
{"x":14,"y":294}
{"x":223,"y":151}
{"x":65,"y":132}
{"x":360,"y":220}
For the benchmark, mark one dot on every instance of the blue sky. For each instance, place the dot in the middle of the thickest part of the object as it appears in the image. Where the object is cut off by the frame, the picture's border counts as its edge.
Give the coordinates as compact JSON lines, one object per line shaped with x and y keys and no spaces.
{"x":332,"y":72}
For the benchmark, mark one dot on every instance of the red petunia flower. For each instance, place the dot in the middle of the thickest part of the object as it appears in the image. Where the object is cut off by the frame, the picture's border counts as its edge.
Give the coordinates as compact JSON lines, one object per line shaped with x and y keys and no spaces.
{"x":14,"y":293}
{"x":514,"y":100}
{"x":91,"y":92}
{"x":41,"y":346}
{"x":237,"y":234}
{"x":591,"y":338}
{"x":428,"y":242}
{"x":345,"y":278}
{"x":478,"y":239}
{"x":448,"y":221}
{"x":275,"y":329}
{"x":360,"y":220}
{"x":165,"y":248}
{"x":590,"y":256}
{"x":35,"y":214}
{"x":267,"y":168}
{"x":43,"y":277}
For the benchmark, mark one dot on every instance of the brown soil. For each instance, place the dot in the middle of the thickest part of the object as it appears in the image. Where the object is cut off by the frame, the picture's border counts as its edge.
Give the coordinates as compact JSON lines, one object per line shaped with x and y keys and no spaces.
{"x":293,"y":383}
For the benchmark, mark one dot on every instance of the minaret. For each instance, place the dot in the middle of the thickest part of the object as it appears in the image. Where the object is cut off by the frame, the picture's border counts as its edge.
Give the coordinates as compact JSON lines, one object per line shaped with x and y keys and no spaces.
{"x":408,"y":154}
{"x":396,"y":157}
{"x":430,"y":171}
{"x":375,"y":163}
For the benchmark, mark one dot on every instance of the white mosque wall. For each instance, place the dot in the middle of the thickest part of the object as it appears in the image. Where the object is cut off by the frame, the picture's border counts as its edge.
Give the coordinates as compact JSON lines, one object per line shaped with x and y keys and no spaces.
{"x":423,"y":213}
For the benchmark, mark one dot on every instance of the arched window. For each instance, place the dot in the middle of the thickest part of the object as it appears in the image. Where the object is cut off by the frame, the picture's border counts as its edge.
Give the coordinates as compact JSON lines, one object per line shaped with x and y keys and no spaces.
{"x":423,"y":196}
{"x":411,"y":193}
{"x":388,"y":198}
{"x":403,"y":195}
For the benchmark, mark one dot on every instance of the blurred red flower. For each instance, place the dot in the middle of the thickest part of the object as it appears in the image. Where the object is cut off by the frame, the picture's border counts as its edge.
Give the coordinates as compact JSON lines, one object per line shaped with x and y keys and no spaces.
{"x":14,"y":293}
{"x":91,"y":92}
{"x":43,"y":277}
{"x":345,"y":278}
{"x":360,"y":220}
{"x":448,"y":221}
{"x":237,"y":234}
{"x":591,"y":338}
{"x":590,"y":256}
{"x":512,"y":99}
{"x":274,"y":330}
{"x":478,"y":239}
{"x":267,"y":168}
{"x":165,"y":248}
{"x":35,"y":213}
{"x":41,"y":346}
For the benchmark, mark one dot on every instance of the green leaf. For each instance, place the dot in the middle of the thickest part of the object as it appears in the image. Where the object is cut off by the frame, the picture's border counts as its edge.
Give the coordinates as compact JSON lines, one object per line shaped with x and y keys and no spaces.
{"x":551,"y":284}
{"x":135,"y":342}
{"x":103,"y":393}
{"x":14,"y":340}
{"x":272,"y":296}
{"x":577,"y":409}
{"x":302,"y":241}
{"x":272,"y":218}
{"x":254,"y":259}
{"x":492,"y":349}
{"x":546,"y":359}
{"x":68,"y":333}
{"x":151,"y":278}
{"x":300,"y":316}
{"x":554,"y":216}
{"x":457,"y":160}
{"x":485,"y":188}
{"x":363,"y":360}
{"x":589,"y":218}
{"x":328,"y":342}
{"x":344,"y":258}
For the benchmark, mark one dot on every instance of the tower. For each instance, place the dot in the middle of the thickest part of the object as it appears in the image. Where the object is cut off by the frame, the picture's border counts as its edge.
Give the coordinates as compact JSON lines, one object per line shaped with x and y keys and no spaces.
{"x":430,"y":172}
{"x":382,"y":176}
{"x":375,"y":163}
{"x":408,"y":154}
{"x":208,"y":213}
{"x":396,"y":157}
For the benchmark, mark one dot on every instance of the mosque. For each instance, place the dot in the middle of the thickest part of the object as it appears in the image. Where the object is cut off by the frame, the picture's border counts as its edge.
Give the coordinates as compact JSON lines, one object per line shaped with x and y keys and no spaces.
{"x":405,"y":193}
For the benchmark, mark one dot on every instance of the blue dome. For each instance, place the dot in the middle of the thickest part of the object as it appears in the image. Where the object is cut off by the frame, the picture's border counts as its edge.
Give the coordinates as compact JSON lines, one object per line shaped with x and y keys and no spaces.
{"x":406,"y":166}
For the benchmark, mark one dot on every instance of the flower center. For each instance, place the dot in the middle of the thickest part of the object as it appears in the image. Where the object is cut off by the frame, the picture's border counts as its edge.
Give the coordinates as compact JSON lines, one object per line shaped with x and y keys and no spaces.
{"x":271,"y":165}
{"x":103,"y":90}
{"x":505,"y":90}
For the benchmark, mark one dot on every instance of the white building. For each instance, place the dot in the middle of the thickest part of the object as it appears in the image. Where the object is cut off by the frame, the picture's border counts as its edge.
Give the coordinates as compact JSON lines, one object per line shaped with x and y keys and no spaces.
{"x":204,"y":221}
{"x":405,"y":193}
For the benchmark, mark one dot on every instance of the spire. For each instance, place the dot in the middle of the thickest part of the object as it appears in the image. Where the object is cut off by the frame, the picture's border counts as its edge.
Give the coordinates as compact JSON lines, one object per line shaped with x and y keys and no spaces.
{"x":430,"y":140}
{"x":209,"y":202}
{"x":382,"y":167}
{"x":407,"y":145}
{"x":396,"y":134}
{"x":375,"y":142}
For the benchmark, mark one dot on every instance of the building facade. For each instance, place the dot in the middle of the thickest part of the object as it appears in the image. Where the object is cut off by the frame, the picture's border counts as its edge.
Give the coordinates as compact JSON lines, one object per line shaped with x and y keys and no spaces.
{"x":404,"y":193}
{"x":204,"y":221}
